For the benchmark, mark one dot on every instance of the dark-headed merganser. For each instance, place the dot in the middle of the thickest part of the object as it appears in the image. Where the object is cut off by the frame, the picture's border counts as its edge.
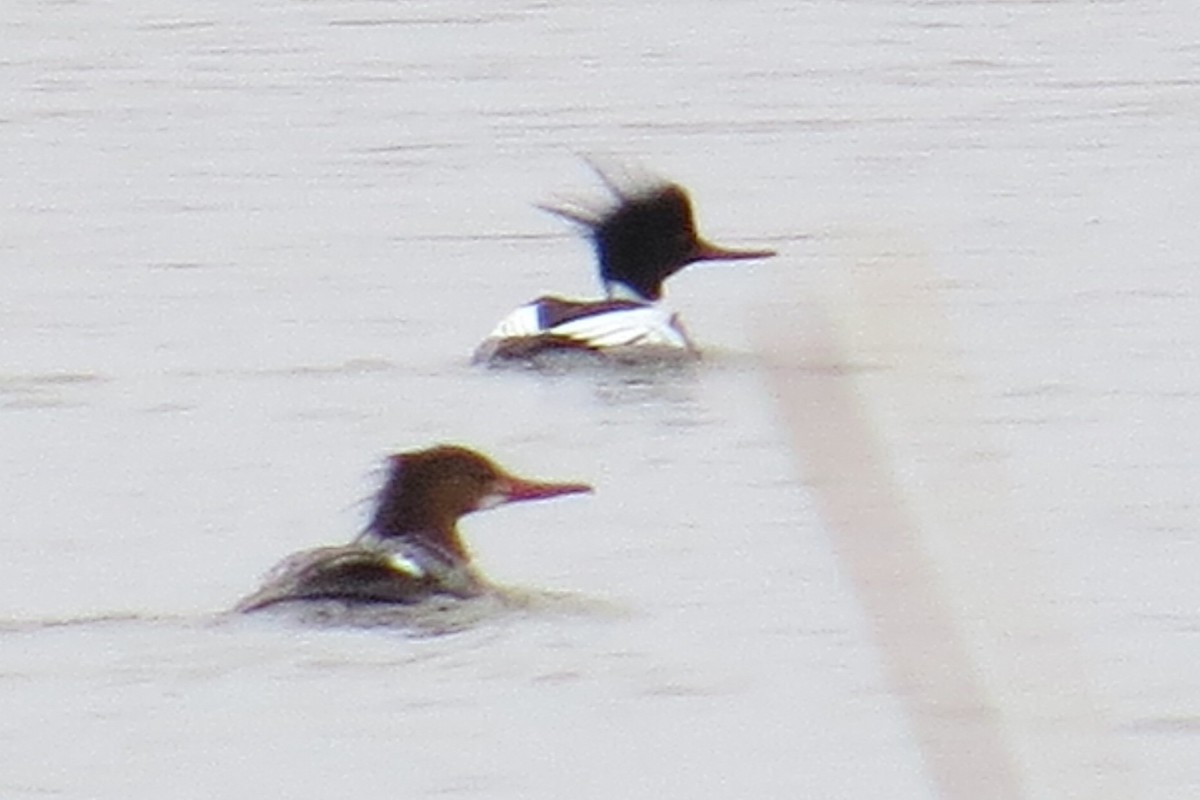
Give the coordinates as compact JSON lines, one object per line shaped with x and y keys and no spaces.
{"x":411,"y":549}
{"x":644,"y":236}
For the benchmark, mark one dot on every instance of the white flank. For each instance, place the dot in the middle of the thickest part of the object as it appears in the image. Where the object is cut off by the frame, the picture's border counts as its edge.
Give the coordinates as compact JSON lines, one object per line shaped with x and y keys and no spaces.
{"x":403,"y":563}
{"x":521,"y":322}
{"x":643,"y":326}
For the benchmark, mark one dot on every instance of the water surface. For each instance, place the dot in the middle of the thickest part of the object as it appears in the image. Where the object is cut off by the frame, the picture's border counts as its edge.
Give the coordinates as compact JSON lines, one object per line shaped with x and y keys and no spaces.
{"x":248,"y":248}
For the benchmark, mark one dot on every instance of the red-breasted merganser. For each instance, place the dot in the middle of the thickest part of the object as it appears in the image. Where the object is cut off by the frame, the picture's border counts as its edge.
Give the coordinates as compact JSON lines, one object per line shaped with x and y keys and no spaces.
{"x":644,"y":236}
{"x":411,"y":549}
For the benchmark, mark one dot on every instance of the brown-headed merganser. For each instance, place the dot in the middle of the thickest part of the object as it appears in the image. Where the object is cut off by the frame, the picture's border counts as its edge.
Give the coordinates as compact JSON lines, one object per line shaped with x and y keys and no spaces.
{"x":642,"y":237}
{"x":411,"y":549}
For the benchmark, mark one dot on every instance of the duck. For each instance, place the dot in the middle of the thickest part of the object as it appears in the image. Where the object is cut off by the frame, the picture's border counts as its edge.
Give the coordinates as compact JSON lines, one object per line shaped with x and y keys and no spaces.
{"x":411,"y":550}
{"x":643,"y":235}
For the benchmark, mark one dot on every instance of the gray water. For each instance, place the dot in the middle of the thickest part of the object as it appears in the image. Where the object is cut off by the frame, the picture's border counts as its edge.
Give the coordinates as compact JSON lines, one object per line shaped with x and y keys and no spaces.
{"x":247,"y":249}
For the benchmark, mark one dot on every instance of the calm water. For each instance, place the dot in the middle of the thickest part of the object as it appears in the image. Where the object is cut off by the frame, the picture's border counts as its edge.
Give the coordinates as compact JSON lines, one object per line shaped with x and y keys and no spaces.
{"x":248,"y":248}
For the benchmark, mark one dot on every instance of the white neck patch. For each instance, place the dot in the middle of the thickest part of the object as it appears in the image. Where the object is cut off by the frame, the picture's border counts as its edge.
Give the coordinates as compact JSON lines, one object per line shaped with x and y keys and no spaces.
{"x":618,"y":290}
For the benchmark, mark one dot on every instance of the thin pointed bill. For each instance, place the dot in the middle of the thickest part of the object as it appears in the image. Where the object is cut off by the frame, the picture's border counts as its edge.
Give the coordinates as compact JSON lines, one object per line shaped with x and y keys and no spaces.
{"x":707,"y":251}
{"x":511,"y":489}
